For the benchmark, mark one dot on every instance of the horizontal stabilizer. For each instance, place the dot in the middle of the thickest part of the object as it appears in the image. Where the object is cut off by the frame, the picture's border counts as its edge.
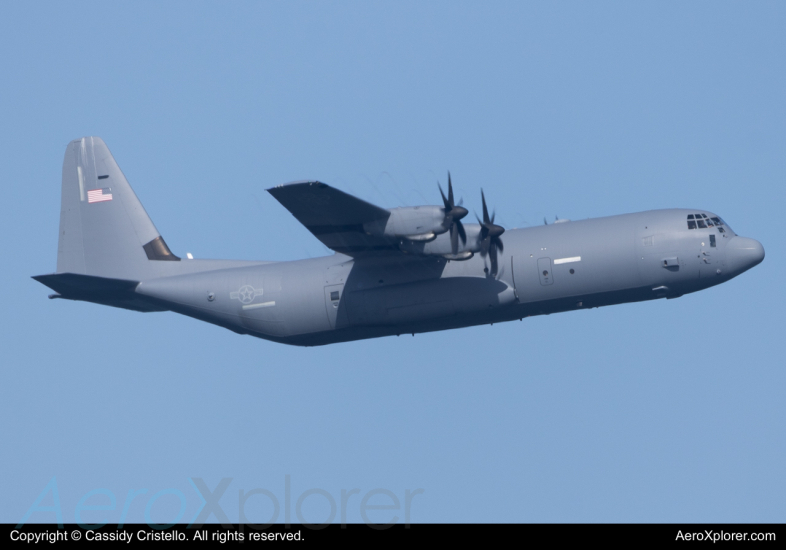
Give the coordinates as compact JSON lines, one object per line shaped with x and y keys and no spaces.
{"x":100,"y":290}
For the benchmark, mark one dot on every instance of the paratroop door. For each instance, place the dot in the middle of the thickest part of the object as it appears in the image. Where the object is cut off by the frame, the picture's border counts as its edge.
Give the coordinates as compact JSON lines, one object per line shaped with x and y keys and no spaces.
{"x":544,"y":271}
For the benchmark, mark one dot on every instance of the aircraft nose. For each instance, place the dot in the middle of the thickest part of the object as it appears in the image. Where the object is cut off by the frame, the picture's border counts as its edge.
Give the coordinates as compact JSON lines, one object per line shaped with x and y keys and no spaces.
{"x":743,"y":253}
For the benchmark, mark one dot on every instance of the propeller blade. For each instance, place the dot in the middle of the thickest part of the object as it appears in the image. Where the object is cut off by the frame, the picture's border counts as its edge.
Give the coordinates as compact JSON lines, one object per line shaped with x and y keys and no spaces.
{"x":444,"y":199}
{"x":484,"y":246}
{"x":485,"y":210}
{"x":489,"y":235}
{"x":498,"y":242}
{"x":453,"y":214}
{"x":484,"y":232}
{"x":461,"y":232}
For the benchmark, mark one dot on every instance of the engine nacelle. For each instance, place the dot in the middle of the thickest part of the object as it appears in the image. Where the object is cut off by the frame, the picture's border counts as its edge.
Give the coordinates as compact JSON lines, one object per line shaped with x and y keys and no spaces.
{"x":440,"y":245}
{"x":413,"y":223}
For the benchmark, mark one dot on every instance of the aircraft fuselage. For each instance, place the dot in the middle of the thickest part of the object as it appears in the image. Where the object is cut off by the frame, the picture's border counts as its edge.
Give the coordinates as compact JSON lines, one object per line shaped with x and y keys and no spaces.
{"x":545,"y":269}
{"x":396,"y":271}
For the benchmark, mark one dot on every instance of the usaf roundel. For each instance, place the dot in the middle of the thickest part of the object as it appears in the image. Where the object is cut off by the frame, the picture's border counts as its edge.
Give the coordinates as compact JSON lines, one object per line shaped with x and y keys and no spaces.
{"x":246,"y":294}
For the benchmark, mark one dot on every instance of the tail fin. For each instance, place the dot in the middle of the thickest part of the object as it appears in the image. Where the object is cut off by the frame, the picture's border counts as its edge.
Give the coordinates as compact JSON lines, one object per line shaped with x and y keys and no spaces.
{"x":104,"y":230}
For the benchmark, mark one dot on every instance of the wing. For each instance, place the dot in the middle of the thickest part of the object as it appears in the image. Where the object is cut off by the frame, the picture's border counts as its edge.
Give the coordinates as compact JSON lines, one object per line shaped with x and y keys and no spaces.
{"x":334,"y":217}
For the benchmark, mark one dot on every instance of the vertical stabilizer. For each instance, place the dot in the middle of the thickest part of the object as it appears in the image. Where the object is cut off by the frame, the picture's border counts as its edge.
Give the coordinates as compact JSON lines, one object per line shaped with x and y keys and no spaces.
{"x":104,"y":230}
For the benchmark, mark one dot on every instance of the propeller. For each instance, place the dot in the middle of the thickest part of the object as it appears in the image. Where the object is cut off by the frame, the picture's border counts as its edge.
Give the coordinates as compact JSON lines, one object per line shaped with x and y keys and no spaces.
{"x":490,"y":236}
{"x":453,"y":215}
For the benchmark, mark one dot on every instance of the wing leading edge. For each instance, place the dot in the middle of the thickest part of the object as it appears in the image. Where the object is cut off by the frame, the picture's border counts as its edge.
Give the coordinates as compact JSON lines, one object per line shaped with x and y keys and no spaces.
{"x":335,"y":218}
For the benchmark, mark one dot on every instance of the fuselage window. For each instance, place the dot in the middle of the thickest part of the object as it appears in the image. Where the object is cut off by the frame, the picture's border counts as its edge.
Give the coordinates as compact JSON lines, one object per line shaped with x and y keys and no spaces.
{"x":690,"y":216}
{"x":691,"y":224}
{"x":717,"y":221}
{"x":712,"y":241}
{"x":702,"y":225}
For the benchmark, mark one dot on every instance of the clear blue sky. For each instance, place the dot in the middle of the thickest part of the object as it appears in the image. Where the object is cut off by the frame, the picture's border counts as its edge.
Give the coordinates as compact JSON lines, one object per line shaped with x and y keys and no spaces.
{"x":663,"y":411}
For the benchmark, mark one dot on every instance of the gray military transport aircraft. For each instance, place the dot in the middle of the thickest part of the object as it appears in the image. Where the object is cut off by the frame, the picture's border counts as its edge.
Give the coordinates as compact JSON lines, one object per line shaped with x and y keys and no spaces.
{"x":394,"y":271}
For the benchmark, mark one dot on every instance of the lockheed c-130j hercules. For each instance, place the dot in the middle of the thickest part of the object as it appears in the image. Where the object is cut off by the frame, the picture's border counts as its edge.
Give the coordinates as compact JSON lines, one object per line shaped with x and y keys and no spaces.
{"x":395,"y":271}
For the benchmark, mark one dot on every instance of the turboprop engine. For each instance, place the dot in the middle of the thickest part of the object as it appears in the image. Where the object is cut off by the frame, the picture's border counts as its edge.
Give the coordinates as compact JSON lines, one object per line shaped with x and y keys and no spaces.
{"x":422,"y":224}
{"x":483,"y":238}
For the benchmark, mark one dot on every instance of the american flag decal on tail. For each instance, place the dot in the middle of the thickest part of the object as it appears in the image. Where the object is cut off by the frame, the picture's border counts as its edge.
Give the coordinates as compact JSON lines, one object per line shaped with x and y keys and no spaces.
{"x":99,"y":195}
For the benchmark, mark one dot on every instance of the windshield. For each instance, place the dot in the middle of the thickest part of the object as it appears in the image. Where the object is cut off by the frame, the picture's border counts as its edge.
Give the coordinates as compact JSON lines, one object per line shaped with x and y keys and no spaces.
{"x":703,"y":221}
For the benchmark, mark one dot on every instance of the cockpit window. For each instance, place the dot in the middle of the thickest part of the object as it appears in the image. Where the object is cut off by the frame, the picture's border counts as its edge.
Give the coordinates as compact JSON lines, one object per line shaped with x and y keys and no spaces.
{"x":702,"y":221}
